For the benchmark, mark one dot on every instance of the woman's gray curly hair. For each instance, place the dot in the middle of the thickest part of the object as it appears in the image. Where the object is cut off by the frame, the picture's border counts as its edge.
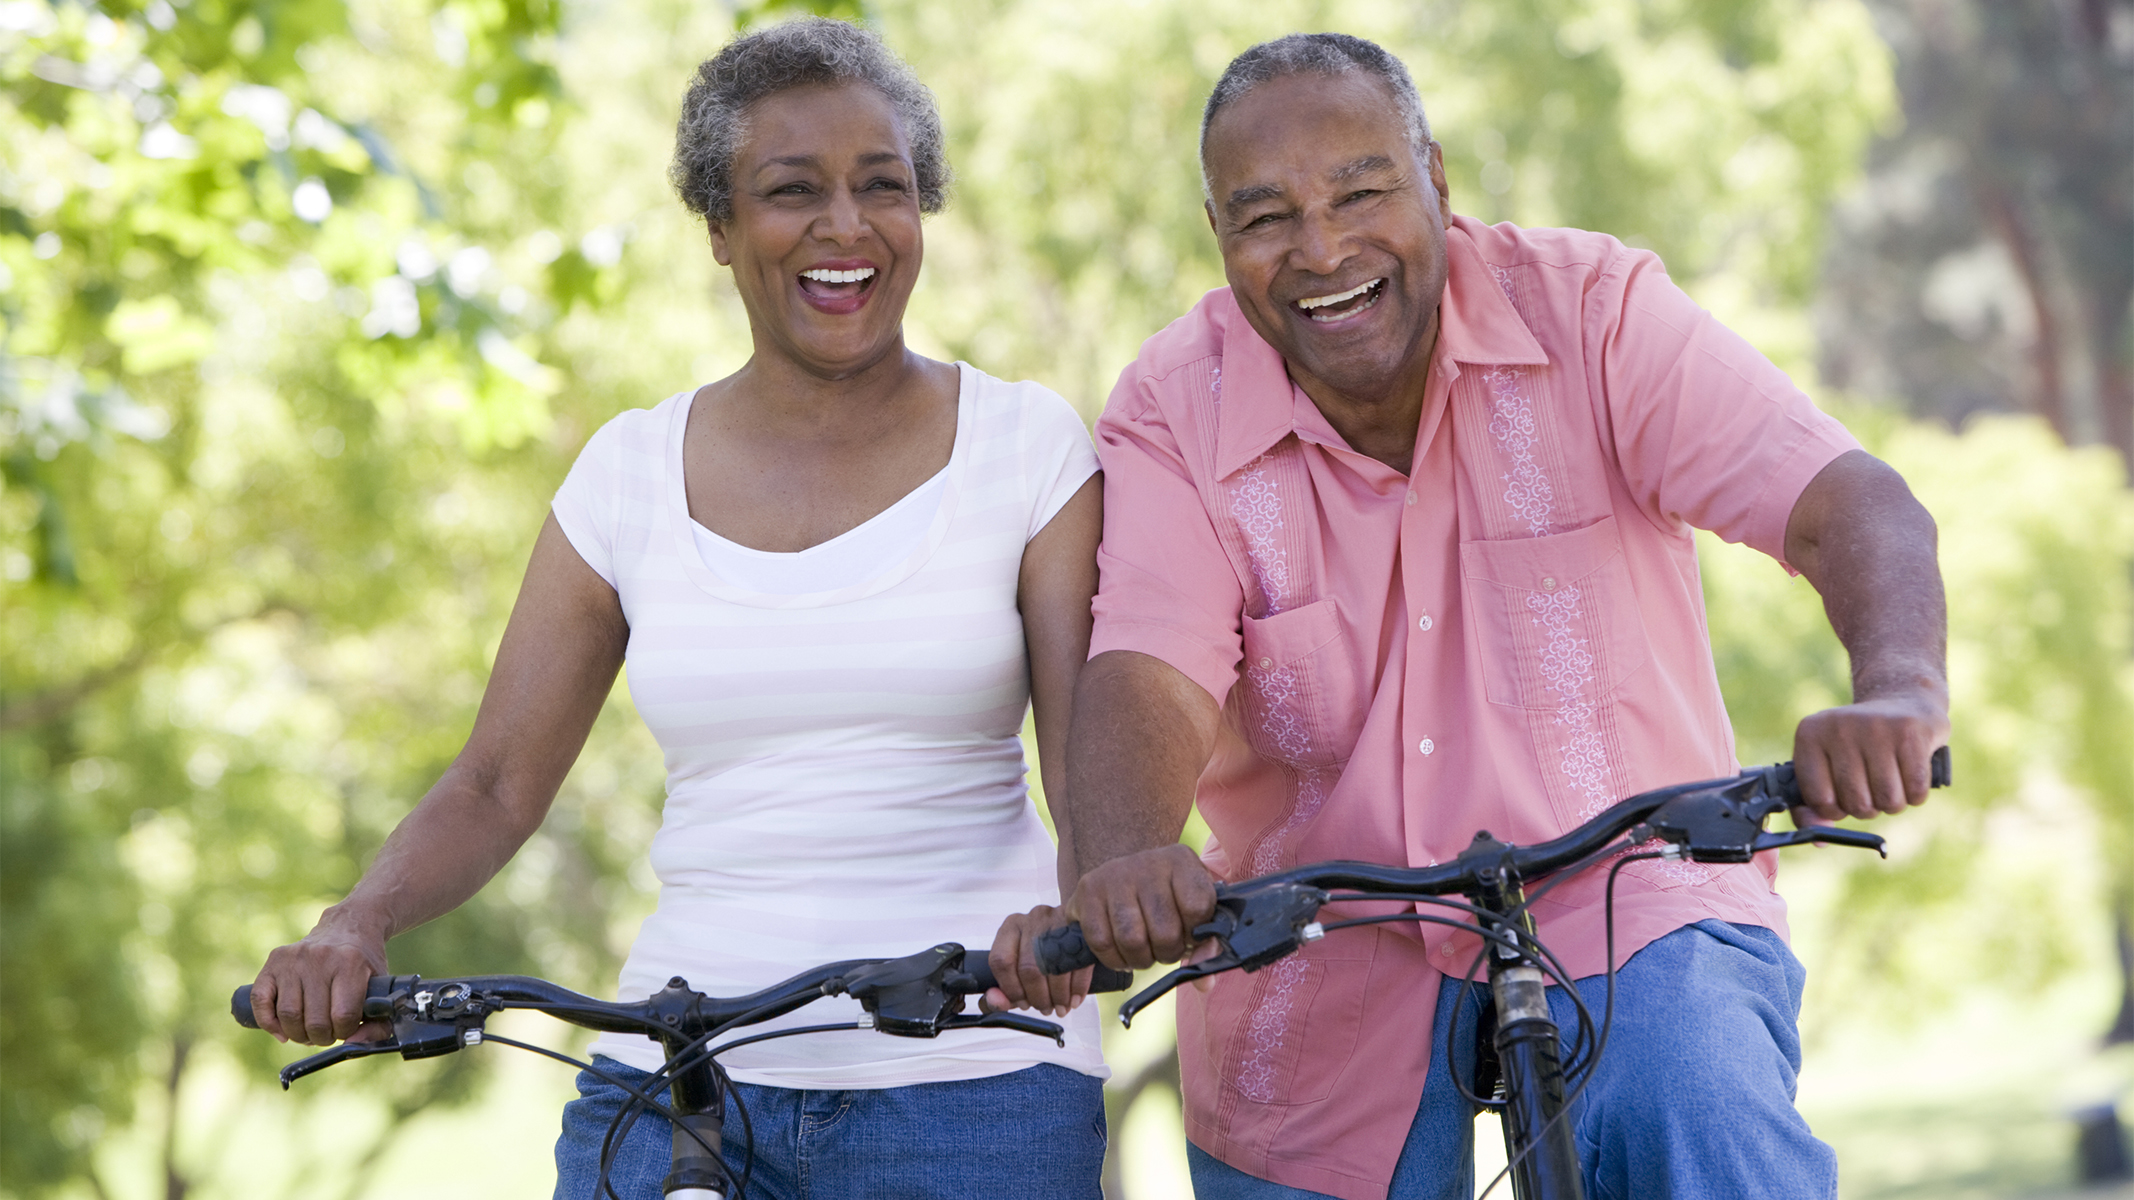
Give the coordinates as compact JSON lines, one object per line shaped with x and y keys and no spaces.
{"x":810,"y":51}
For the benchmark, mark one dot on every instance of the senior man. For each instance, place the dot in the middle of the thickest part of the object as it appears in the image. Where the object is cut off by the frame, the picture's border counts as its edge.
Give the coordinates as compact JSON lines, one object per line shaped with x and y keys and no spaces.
{"x":1398,"y":546}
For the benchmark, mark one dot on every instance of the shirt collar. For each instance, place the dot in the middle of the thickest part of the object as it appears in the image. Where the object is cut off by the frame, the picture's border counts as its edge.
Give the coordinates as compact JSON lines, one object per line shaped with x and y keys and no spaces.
{"x":1257,"y":405}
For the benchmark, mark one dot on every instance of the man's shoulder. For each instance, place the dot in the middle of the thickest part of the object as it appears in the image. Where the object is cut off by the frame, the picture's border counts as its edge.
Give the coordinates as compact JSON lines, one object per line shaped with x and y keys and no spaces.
{"x":1194,"y":337}
{"x":1509,"y":247}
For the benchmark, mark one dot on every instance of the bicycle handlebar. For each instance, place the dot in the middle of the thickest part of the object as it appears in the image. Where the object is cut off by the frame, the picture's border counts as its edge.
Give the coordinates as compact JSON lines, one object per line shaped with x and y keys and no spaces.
{"x":1265,"y":918}
{"x":919,"y":995}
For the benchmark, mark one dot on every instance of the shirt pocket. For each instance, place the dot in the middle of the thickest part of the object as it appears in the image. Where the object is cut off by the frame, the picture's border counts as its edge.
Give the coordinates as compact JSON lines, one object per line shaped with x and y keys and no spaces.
{"x":1553,"y":621}
{"x":1303,"y":691}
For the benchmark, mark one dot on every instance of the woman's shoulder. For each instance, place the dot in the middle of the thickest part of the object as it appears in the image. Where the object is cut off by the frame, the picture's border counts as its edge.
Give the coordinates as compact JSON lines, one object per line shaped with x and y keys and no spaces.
{"x":1024,"y":409}
{"x":634,"y":431}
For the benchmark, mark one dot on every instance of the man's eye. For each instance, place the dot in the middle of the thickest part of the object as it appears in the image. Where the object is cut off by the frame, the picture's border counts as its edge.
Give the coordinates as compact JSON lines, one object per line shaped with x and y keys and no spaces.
{"x":1262,"y":221}
{"x":1363,"y":194}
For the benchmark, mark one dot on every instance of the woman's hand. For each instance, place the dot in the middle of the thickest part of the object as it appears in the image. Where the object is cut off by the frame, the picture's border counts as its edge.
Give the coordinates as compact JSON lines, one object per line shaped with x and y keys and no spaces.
{"x":1014,"y":963}
{"x":312,"y":991}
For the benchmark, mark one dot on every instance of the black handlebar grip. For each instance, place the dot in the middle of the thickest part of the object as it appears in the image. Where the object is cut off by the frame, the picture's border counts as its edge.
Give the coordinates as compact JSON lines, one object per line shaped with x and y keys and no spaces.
{"x":1103,"y":979}
{"x":1062,"y":950}
{"x":241,"y":1007}
{"x":1938,"y":768}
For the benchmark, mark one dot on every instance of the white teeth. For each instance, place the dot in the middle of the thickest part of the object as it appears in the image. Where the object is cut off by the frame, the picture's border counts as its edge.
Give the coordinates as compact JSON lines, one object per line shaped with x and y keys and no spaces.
{"x":1351,"y":294}
{"x":820,"y":275}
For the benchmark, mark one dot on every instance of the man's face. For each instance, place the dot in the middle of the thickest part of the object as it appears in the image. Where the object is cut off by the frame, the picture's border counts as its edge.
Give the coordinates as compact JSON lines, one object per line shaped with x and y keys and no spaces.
{"x":1332,"y":229}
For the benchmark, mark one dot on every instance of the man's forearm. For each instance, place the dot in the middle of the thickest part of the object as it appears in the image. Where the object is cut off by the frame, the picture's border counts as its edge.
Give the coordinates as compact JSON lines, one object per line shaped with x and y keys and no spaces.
{"x":1869,"y":548}
{"x":1142,"y":734}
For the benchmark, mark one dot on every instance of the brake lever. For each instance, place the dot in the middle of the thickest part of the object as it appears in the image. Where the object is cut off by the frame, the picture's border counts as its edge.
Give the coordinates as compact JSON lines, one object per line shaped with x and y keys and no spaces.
{"x":338,"y":1054}
{"x":1831,"y":834}
{"x":1255,"y":924}
{"x":1224,"y":961}
{"x":1008,"y":1020}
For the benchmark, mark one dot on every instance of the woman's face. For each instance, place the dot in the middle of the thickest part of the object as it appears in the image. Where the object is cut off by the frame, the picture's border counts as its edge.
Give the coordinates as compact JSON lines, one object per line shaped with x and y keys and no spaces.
{"x":824,"y":241}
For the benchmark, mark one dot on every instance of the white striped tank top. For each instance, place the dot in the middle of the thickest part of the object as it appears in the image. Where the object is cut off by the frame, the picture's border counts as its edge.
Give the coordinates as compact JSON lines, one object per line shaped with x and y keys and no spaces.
{"x":845,"y":775}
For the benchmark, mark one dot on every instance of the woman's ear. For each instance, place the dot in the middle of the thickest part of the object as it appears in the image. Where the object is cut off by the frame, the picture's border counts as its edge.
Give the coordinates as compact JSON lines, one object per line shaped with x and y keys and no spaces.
{"x":719,"y":249}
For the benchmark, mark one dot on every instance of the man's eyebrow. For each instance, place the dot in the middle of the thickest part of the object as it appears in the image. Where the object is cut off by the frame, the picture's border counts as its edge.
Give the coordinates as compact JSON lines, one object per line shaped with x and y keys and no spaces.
{"x":1251,"y":195}
{"x":1362,"y":166}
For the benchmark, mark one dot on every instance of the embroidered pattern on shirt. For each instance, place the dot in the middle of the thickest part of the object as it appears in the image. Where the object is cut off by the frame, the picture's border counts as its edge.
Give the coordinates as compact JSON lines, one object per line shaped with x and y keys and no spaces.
{"x":1504,"y":279}
{"x":1268,"y":1025}
{"x":1567,"y":669}
{"x":1527,"y":491}
{"x":1278,"y":706}
{"x":1258,"y":509}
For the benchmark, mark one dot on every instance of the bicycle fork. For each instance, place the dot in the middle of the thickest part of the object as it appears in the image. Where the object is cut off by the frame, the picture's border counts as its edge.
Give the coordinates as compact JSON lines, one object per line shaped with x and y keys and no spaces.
{"x":1539,"y":1145}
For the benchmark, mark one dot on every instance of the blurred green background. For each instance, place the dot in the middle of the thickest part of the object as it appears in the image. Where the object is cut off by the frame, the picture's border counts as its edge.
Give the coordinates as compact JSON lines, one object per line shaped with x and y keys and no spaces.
{"x":309,"y":304}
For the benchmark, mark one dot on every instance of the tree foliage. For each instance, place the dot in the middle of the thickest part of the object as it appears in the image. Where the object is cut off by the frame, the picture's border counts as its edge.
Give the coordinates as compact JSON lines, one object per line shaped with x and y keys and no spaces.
{"x":308,"y":304}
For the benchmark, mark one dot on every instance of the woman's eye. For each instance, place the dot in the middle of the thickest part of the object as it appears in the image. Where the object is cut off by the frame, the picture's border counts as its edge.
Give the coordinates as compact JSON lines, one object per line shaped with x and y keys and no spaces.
{"x":889,"y":185}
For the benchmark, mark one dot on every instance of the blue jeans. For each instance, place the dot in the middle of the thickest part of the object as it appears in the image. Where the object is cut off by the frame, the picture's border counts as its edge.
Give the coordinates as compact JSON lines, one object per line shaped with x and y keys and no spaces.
{"x":1037,"y":1132}
{"x":1694,"y":1098}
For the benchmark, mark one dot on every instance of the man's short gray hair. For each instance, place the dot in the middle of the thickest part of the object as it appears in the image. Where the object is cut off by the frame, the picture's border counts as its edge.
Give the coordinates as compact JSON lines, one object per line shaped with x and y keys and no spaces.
{"x":1315,"y":54}
{"x":812,"y":51}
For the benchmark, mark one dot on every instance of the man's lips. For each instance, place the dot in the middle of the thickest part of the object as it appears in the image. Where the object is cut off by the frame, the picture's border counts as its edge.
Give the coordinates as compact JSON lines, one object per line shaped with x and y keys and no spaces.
{"x":1327,"y":308}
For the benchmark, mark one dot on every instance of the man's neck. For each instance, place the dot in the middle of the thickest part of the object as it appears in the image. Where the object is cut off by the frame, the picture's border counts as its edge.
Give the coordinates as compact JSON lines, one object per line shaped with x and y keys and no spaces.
{"x":1381,"y":423}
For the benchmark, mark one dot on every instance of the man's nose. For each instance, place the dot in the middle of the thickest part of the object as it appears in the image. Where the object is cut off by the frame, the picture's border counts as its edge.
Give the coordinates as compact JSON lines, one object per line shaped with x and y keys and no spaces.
{"x":1322,"y":245}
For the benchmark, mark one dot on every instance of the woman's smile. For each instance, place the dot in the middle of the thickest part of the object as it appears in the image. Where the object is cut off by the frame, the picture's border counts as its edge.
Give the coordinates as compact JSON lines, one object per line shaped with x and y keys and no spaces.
{"x":839,"y":286}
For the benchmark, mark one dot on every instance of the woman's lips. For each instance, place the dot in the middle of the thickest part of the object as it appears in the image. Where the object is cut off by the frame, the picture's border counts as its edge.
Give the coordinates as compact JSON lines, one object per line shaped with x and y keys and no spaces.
{"x":837,"y":290}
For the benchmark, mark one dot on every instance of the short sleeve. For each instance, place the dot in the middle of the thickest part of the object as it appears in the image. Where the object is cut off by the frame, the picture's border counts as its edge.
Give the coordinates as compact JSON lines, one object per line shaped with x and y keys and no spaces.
{"x":588,"y":506}
{"x":1707,"y":431}
{"x":1165,"y":586}
{"x":1057,"y":456}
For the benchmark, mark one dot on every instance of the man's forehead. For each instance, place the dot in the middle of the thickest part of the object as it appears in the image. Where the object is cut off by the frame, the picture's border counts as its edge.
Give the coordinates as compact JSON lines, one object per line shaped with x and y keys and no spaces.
{"x":1319,"y":126}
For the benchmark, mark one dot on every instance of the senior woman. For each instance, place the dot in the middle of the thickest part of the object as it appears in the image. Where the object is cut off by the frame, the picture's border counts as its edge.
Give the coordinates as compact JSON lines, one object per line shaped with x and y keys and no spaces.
{"x":837,"y":576}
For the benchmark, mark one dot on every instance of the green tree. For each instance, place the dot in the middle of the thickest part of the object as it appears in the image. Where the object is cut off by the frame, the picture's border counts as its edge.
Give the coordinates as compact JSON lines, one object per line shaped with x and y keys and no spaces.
{"x":277,"y":281}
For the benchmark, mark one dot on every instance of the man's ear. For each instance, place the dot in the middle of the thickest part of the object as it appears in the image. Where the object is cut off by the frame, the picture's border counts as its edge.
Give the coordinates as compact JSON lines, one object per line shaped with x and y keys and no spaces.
{"x":719,"y":250}
{"x":1437,"y":180}
{"x":1208,"y":207}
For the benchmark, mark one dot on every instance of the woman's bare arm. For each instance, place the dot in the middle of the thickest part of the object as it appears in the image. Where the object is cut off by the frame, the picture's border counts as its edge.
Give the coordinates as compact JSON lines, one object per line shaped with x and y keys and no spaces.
{"x":553,"y":671}
{"x":1058,"y":581}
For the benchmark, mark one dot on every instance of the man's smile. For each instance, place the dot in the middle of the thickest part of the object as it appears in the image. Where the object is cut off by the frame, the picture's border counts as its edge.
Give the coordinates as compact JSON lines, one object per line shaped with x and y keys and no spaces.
{"x":1339,"y":306}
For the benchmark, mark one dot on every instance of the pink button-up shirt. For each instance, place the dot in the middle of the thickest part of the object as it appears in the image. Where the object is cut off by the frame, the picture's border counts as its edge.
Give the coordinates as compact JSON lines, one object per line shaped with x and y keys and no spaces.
{"x":1509,"y":638}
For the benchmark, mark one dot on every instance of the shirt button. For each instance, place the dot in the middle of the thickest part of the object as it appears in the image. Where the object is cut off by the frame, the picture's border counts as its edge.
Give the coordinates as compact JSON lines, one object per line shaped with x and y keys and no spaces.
{"x":1427,"y":747}
{"x":1411,"y":497}
{"x":1548,"y":582}
{"x":1426,"y":623}
{"x":1444,"y":949}
{"x":1266,"y":663}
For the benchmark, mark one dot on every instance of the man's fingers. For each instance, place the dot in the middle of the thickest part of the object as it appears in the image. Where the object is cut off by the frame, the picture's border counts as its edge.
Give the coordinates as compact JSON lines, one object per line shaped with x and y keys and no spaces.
{"x":1886,"y":781}
{"x":1813,"y":774}
{"x":263,"y":1014}
{"x":347,"y":991}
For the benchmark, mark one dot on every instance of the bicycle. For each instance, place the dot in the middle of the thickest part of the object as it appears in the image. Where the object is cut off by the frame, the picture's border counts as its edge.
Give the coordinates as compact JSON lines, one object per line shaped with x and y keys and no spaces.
{"x":919,"y":995}
{"x":1520,"y":1073}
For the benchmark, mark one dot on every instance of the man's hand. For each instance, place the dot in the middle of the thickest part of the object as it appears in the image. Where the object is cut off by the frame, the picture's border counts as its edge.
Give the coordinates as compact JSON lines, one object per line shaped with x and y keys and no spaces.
{"x":312,"y":991}
{"x":1014,"y":963}
{"x":1871,"y":756}
{"x":1141,"y":909}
